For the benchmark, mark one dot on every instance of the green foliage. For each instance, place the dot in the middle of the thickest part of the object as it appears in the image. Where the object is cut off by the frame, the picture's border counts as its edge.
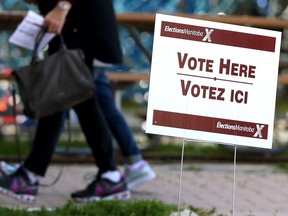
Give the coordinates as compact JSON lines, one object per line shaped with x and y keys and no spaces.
{"x":102,"y":208}
{"x":202,"y":212}
{"x":111,"y":208}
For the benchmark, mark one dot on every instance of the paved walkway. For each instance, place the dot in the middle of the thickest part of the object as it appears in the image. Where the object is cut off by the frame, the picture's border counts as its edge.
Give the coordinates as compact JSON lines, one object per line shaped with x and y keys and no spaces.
{"x":261,"y":190}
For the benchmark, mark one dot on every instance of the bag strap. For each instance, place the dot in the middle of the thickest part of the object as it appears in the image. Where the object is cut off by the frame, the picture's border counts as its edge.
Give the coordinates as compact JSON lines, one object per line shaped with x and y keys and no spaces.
{"x":38,"y":40}
{"x":62,"y":42}
{"x":14,"y":113}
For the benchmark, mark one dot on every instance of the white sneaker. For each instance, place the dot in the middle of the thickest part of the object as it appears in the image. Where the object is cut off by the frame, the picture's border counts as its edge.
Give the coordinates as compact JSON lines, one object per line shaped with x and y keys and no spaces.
{"x":139,"y":175}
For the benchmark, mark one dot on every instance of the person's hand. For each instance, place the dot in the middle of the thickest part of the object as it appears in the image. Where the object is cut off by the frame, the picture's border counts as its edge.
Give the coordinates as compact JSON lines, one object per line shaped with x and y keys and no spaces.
{"x":55,"y":19}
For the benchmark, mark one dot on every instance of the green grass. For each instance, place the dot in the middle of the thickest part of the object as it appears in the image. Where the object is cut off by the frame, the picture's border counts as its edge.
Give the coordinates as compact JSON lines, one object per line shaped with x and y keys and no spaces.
{"x":195,"y":148}
{"x":9,"y":148}
{"x":283,"y":166}
{"x":104,"y":208}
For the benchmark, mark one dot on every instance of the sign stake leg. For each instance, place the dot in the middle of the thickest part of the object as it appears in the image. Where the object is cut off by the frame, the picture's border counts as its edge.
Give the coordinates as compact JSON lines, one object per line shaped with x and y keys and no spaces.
{"x":180,"y":178}
{"x":234,"y":180}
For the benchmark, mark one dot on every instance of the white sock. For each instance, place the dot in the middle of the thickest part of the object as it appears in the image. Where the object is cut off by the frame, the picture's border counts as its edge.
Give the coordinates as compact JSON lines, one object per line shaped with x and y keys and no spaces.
{"x":32,"y":176}
{"x":113,"y":176}
{"x":136,"y":165}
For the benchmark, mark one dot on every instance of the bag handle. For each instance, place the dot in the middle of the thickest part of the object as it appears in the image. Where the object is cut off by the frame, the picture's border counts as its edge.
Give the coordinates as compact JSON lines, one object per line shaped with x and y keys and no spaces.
{"x":62,"y":43}
{"x":38,"y":40}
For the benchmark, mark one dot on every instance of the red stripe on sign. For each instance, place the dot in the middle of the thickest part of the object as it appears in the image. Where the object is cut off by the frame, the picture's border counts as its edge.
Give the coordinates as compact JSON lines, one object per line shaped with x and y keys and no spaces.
{"x":209,"y":124}
{"x":218,"y":36}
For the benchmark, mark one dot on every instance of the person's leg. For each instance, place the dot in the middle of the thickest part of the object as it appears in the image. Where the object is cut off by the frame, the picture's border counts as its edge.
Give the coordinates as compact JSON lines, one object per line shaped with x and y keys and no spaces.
{"x":42,"y":128}
{"x":109,"y":183}
{"x":46,"y":137}
{"x":137,"y":170}
{"x":23,"y":183}
{"x":97,"y":134}
{"x":115,"y":119}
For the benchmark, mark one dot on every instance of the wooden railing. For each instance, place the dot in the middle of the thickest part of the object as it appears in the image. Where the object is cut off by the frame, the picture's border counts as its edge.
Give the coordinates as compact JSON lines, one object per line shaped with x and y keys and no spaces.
{"x":145,"y":22}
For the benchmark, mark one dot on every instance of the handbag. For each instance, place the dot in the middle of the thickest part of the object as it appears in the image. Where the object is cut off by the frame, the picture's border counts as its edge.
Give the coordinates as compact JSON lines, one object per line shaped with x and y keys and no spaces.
{"x":54,"y":83}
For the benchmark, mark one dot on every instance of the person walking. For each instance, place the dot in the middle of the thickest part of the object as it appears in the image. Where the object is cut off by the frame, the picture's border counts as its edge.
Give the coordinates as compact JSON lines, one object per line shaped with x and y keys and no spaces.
{"x":91,"y":26}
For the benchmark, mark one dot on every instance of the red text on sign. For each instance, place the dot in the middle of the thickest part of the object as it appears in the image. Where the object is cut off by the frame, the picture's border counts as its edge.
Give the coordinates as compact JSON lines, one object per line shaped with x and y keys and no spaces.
{"x":239,"y":96}
{"x":202,"y":91}
{"x":234,"y":69}
{"x":193,"y":63}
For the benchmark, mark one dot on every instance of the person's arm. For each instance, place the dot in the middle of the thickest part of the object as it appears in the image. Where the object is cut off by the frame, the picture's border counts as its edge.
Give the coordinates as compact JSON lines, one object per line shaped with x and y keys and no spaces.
{"x":55,"y":19}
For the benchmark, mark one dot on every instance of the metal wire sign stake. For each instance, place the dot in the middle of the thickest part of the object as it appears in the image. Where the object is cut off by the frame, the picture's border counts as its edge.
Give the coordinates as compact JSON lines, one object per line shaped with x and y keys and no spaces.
{"x":234,"y":181}
{"x":180,"y":177}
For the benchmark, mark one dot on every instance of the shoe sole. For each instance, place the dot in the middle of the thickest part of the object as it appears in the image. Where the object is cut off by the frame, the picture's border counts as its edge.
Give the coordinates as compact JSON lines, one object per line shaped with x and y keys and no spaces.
{"x":125,"y":195}
{"x":20,"y":197}
{"x":143,"y":179}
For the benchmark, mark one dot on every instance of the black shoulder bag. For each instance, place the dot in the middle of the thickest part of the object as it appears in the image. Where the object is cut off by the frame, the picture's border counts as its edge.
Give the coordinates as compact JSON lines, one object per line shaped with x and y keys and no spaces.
{"x":55,"y":83}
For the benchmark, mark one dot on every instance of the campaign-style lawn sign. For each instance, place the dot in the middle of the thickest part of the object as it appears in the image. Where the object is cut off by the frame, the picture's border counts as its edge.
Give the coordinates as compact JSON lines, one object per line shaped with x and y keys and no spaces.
{"x":213,"y":81}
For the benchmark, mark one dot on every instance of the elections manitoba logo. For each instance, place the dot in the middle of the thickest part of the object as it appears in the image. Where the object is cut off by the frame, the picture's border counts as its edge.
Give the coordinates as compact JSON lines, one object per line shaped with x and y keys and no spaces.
{"x":190,"y":30}
{"x":215,"y":36}
{"x":256,"y":131}
{"x":183,"y":31}
{"x":210,"y":124}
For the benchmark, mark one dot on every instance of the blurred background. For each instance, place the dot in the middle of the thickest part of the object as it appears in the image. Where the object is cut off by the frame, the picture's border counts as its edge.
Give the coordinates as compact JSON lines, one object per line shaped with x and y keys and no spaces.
{"x":134,"y":58}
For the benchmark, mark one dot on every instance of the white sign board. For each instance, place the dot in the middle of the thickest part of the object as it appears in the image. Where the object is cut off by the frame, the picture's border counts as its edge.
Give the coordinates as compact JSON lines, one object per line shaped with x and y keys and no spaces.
{"x":213,"y":81}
